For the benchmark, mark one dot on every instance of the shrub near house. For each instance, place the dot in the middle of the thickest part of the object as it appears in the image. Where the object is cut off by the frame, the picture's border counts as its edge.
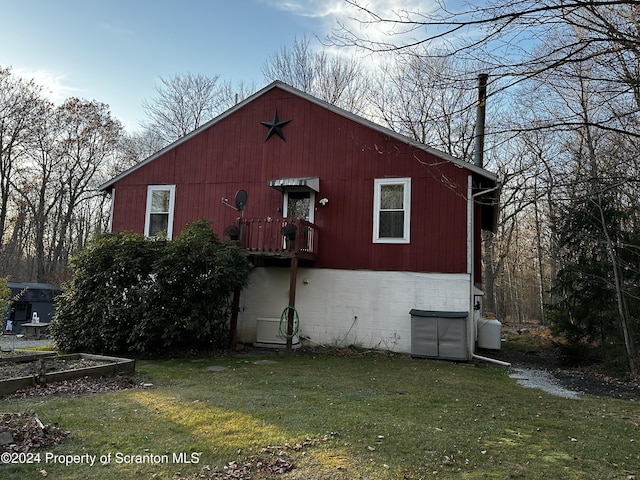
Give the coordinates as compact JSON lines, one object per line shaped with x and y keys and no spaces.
{"x":129,"y":294}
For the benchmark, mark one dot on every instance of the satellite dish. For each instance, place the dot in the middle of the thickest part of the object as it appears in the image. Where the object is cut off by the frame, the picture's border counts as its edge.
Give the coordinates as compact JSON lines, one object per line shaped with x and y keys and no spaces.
{"x":241,"y":200}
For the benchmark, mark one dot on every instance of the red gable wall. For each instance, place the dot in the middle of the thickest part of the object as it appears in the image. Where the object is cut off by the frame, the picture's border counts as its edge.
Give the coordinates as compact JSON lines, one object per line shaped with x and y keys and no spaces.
{"x":347,"y":156}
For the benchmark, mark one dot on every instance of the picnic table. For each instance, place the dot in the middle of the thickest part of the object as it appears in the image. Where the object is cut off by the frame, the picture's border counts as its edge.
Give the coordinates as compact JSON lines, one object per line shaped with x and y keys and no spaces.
{"x":35,"y":330}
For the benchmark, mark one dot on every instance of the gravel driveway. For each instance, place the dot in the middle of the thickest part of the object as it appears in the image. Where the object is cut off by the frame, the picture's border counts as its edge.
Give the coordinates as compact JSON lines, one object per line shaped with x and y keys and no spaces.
{"x":10,"y":342}
{"x":545,"y":368}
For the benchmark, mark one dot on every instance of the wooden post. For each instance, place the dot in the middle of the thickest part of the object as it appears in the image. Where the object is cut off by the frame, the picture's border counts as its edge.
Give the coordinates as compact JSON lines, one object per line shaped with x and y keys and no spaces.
{"x":292,"y":301}
{"x":233,"y":324}
{"x":42,"y":372}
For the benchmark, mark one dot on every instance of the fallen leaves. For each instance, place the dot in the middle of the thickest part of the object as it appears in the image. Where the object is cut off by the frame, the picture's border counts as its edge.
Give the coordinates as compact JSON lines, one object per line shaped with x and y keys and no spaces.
{"x":77,"y":386}
{"x":276,"y":464}
{"x":273,"y":460}
{"x":27,"y":433}
{"x":24,"y":432}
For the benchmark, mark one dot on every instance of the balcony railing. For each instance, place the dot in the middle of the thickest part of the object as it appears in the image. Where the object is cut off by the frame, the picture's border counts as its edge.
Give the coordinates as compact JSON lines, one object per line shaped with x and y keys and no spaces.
{"x":265,"y":237}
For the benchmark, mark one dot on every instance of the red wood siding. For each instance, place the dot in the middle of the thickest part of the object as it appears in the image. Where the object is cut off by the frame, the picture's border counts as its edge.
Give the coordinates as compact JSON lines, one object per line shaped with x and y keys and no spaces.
{"x":347,"y":156}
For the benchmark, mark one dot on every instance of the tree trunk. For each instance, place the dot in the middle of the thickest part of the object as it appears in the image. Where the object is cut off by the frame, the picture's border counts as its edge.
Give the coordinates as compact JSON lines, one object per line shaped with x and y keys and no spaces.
{"x":623,"y":310}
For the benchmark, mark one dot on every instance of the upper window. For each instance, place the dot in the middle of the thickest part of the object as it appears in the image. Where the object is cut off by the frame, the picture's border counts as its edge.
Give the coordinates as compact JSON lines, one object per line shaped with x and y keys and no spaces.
{"x":391,"y":210}
{"x":159,"y":216}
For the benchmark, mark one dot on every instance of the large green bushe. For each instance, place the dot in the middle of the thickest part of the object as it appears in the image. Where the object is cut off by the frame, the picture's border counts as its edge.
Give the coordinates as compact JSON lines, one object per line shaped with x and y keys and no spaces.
{"x":138,"y":296}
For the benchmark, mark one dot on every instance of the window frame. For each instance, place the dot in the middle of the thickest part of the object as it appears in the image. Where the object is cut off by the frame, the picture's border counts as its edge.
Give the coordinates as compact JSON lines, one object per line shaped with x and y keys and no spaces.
{"x":172,"y":197}
{"x":378,"y":184}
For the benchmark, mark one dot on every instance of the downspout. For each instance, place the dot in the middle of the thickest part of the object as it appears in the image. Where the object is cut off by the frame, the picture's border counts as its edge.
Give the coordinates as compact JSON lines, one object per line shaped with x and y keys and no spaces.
{"x":471,"y":328}
{"x":491,"y":360}
{"x":471,"y":267}
{"x":478,"y":160}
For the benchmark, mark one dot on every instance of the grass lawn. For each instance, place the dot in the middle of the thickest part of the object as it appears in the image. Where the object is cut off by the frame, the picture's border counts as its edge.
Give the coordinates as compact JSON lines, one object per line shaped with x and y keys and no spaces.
{"x":368,"y":416}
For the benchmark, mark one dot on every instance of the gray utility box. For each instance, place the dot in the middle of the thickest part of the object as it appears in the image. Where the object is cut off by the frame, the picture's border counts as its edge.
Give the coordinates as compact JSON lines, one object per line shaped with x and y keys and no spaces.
{"x":440,"y":335}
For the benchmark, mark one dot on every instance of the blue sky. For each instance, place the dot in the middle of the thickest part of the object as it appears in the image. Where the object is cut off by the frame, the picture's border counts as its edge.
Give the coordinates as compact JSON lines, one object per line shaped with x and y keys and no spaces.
{"x":114,"y":51}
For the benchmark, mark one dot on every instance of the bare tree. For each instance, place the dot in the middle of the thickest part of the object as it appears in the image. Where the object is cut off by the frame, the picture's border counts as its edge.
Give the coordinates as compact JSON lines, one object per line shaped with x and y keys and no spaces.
{"x":37,"y":183}
{"x":514,"y":40}
{"x":420,"y":97}
{"x":88,"y":139}
{"x":502,"y":30}
{"x":20,"y":102}
{"x":184,"y":103}
{"x":580,"y":173}
{"x":335,"y":79}
{"x":599,"y":184}
{"x":133,"y":148}
{"x":51,"y":160}
{"x":230,"y":94}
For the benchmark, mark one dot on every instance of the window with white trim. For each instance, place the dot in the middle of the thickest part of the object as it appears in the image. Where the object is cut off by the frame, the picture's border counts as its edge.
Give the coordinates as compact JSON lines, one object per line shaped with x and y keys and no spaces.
{"x":159,"y":213}
{"x":392,"y":210}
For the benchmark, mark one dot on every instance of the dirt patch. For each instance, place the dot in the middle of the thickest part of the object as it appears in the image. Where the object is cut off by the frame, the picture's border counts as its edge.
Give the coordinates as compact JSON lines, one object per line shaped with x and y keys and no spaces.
{"x":601,"y":385}
{"x":26,"y":369}
{"x":79,"y":386}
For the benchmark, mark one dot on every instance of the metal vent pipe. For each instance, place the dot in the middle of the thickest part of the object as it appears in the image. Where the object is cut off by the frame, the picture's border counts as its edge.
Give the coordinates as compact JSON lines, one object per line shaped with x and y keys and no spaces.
{"x":478,"y":159}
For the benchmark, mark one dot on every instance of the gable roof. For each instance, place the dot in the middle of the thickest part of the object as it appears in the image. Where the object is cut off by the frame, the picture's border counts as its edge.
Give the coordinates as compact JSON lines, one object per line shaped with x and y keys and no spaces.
{"x":294,"y":91}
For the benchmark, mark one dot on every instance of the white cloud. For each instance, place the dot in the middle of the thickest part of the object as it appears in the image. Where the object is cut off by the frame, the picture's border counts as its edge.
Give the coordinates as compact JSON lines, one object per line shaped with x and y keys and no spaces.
{"x":357,"y":20}
{"x":336,"y":19}
{"x":53,"y":85}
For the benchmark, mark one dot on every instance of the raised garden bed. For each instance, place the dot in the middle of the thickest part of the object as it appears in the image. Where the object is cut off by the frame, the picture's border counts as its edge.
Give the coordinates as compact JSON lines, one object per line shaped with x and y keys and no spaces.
{"x":16,"y":373}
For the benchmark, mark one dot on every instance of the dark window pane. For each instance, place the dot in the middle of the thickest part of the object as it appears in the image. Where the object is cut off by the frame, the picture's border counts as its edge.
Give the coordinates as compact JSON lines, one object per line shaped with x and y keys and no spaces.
{"x":158,"y":223}
{"x":391,"y":224}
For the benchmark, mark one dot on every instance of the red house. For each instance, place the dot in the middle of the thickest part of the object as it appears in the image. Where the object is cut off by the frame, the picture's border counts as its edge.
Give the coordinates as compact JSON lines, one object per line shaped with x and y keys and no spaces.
{"x":387,"y":231}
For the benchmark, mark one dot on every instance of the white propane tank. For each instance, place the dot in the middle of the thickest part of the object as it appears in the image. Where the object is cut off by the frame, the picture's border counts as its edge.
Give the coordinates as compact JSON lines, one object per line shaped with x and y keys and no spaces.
{"x":489,"y":333}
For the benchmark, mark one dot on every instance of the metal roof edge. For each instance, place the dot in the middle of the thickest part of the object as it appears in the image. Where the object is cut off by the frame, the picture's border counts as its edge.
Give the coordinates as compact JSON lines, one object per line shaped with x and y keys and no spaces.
{"x":311,"y":183}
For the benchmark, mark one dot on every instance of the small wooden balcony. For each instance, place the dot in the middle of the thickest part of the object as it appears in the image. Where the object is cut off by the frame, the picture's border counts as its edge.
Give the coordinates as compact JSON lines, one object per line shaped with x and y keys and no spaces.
{"x":279,"y":237}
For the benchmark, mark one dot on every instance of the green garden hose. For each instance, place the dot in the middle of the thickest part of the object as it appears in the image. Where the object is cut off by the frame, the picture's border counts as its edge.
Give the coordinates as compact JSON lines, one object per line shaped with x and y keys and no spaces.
{"x":284,"y":322}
